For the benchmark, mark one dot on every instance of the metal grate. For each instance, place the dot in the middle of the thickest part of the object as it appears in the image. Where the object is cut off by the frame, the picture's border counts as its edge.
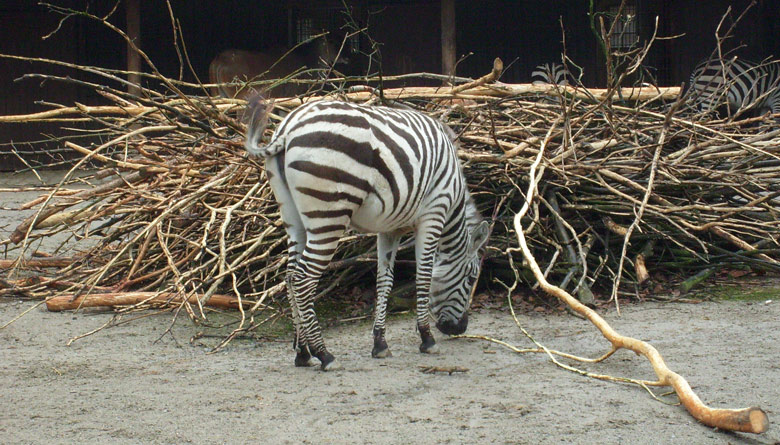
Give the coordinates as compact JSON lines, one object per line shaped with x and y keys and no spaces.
{"x":311,"y":22}
{"x":626,"y":34}
{"x":304,"y":29}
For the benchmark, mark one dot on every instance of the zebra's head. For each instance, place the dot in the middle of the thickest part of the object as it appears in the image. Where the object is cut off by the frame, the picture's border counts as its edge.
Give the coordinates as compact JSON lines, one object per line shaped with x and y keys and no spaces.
{"x":455,"y":273}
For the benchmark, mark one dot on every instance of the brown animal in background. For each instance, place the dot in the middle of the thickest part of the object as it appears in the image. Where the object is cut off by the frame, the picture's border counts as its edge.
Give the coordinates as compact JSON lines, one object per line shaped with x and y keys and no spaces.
{"x":239,"y":65}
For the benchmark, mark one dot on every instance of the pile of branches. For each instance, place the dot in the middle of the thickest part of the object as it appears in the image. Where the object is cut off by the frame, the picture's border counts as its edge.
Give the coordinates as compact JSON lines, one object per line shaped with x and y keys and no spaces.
{"x":174,"y":210}
{"x":177,"y":207}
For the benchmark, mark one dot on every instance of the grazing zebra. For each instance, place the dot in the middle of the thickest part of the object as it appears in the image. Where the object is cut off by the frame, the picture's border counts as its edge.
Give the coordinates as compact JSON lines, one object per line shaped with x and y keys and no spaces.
{"x":334,"y":165}
{"x":738,"y":83}
{"x":552,"y":73}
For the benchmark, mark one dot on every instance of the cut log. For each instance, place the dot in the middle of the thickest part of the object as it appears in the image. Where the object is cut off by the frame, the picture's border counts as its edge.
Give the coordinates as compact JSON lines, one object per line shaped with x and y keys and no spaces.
{"x":71,"y":302}
{"x":39,"y":262}
{"x":695,"y":280}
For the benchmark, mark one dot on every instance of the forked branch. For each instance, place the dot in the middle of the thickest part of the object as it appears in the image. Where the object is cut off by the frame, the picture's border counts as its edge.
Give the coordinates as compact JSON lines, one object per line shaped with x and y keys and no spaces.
{"x":749,"y":420}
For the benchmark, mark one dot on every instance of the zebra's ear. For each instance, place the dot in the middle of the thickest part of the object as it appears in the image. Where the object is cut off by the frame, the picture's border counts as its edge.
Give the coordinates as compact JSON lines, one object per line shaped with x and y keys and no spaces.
{"x":479,"y":236}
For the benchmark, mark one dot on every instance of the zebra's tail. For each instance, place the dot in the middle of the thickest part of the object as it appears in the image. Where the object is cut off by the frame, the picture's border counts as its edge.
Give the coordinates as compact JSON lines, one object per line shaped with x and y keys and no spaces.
{"x":256,"y":119}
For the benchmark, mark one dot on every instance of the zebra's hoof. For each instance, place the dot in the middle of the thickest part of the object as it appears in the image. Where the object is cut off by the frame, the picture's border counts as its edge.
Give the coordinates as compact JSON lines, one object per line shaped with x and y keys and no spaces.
{"x":302,"y":361}
{"x":384,"y":353}
{"x":432,"y":348}
{"x":330,"y":366}
{"x":327,"y":361}
{"x":302,"y":355}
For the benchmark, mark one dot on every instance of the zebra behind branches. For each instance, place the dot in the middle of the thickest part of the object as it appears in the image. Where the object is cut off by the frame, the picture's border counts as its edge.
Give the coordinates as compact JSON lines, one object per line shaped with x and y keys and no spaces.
{"x":552,"y":73}
{"x":334,"y":165}
{"x":738,"y":83}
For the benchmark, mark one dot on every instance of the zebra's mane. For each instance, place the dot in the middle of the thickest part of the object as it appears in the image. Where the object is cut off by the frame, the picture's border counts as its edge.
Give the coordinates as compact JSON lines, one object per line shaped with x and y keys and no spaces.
{"x":471,"y":214}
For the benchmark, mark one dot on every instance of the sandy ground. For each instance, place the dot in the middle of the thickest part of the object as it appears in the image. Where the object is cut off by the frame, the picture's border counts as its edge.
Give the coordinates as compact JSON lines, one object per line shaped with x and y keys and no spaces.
{"x":123,"y":386}
{"x":131,"y":384}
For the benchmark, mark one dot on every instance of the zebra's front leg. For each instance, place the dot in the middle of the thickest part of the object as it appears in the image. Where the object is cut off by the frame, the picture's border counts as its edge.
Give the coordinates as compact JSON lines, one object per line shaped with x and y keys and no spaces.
{"x":386,"y":247}
{"x":427,"y":238}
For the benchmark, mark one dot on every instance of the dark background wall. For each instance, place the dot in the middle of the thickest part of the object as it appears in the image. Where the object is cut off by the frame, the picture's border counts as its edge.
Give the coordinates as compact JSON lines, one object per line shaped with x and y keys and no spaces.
{"x":523,"y":33}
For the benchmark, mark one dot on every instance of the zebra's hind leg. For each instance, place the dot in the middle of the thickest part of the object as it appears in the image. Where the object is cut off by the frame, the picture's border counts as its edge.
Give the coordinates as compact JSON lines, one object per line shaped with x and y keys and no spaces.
{"x":774,"y":105}
{"x":320,"y":246}
{"x":302,"y":353}
{"x":386,"y":247}
{"x":296,"y":240}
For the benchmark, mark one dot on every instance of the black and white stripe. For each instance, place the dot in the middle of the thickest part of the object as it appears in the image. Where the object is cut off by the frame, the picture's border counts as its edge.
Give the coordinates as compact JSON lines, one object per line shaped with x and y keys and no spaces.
{"x":335,"y":165}
{"x":738,"y":83}
{"x":551,"y":73}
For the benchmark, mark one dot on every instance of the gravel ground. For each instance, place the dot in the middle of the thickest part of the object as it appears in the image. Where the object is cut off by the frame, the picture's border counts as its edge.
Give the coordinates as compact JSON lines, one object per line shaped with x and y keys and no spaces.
{"x":127,"y":385}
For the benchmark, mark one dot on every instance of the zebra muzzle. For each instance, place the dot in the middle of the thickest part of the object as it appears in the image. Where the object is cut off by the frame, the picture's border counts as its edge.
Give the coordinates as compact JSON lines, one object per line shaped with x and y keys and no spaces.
{"x":450,"y":326}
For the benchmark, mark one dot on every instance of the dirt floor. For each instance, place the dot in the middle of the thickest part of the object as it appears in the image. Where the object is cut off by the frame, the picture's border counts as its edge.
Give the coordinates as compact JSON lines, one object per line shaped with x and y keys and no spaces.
{"x":132,"y":384}
{"x":127,"y":385}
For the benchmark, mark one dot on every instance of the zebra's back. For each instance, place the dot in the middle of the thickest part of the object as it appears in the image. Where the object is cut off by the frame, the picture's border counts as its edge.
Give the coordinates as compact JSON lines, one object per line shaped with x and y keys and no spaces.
{"x":376,"y":165}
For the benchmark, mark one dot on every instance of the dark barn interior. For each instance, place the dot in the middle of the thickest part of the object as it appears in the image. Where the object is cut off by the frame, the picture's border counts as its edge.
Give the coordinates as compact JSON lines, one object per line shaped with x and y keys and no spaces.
{"x":407,"y":33}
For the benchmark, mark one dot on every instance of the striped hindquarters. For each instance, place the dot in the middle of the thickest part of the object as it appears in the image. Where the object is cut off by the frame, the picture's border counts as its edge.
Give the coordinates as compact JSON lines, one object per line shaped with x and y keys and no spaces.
{"x":550,"y":73}
{"x":375,"y":165}
{"x":737,"y":83}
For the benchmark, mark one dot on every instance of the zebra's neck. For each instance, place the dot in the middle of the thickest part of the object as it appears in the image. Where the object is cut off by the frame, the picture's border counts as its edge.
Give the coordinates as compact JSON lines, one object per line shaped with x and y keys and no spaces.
{"x":454,"y":237}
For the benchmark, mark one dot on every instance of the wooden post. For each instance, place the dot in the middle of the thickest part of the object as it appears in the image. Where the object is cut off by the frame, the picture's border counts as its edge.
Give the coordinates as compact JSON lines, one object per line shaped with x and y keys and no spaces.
{"x":448,"y":37}
{"x":133,"y":17}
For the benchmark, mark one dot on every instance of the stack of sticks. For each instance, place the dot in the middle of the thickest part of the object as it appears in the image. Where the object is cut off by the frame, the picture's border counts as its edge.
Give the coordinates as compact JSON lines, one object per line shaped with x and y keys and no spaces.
{"x":634,"y":187}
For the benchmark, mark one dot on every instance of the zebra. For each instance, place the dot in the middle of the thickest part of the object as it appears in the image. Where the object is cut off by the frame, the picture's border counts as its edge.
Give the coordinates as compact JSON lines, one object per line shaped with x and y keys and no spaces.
{"x":738,"y":83}
{"x":551,"y":73}
{"x":333,"y":165}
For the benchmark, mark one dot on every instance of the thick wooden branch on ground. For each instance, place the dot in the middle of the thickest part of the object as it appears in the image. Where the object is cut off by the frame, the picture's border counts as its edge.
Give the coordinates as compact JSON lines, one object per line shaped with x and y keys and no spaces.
{"x":749,"y":420}
{"x":507,"y":90}
{"x":65,"y":302}
{"x":38,"y":262}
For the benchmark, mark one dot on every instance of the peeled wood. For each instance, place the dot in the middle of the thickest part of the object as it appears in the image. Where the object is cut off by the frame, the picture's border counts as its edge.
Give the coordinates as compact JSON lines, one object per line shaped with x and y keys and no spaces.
{"x":38,"y":262}
{"x":640,"y":262}
{"x":67,"y":302}
{"x":748,"y":420}
{"x":739,"y":243}
{"x":510,"y":90}
{"x":493,"y":90}
{"x":507,"y":90}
